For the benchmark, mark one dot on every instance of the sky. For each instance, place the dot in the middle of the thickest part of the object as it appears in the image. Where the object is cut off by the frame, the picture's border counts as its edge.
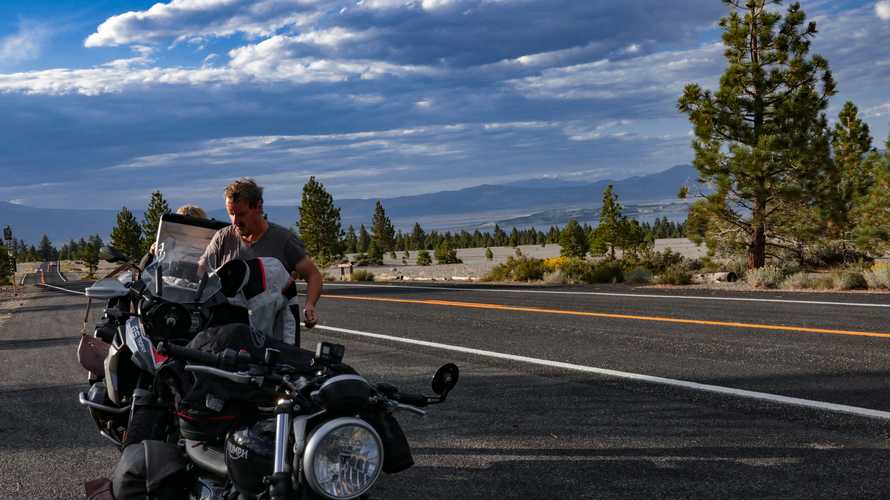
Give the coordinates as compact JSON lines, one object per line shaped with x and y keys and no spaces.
{"x":103,"y":102}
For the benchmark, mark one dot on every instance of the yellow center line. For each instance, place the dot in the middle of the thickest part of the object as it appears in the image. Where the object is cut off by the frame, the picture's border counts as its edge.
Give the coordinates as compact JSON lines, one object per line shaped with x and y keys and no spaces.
{"x":664,"y":319}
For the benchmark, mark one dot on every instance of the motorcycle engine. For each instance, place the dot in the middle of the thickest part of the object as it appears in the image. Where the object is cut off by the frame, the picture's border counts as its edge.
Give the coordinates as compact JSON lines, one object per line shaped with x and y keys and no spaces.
{"x":250,"y":455}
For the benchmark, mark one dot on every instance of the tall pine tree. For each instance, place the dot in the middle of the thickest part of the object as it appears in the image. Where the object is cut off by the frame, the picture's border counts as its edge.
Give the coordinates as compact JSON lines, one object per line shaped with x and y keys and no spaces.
{"x":319,"y":223}
{"x":382,"y":230}
{"x":157,"y":207}
{"x":850,"y":143}
{"x":364,"y":240}
{"x":47,"y":251}
{"x":350,"y":240}
{"x":760,"y":140}
{"x":872,"y":212}
{"x":127,"y":234}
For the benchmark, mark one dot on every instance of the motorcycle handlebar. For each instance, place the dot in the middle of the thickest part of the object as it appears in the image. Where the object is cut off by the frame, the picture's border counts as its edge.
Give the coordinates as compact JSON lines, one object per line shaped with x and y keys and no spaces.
{"x":224,"y":360}
{"x":412,"y":399}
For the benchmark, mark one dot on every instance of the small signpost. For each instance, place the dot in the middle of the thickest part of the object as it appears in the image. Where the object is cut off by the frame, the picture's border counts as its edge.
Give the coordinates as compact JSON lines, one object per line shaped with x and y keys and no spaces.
{"x":10,"y":247}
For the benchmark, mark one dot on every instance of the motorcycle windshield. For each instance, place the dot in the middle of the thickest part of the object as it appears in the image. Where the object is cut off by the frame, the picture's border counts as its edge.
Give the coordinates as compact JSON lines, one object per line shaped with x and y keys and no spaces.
{"x":178,"y":248}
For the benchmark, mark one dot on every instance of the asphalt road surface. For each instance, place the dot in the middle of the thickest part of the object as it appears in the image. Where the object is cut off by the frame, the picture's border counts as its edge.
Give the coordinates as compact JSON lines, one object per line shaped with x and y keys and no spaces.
{"x":535,"y":415}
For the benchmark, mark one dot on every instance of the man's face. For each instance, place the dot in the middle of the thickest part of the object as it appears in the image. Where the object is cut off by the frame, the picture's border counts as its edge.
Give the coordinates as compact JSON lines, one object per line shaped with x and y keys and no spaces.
{"x":247,"y":220}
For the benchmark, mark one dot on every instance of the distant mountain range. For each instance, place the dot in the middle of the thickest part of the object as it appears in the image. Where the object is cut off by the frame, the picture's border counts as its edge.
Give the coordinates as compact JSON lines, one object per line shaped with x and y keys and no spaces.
{"x":538,"y":203}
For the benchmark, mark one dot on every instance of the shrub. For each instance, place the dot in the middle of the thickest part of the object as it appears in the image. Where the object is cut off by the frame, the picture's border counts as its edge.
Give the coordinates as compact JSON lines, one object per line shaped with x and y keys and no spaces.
{"x":638,"y":276}
{"x":446,"y":254}
{"x":362,"y":260}
{"x":606,"y":272}
{"x":555,"y":263}
{"x":805,"y":281}
{"x":848,"y":280}
{"x":659,"y":262}
{"x":423,"y":258}
{"x":521,"y":269}
{"x":555,"y":278}
{"x":575,"y":269}
{"x":489,"y":255}
{"x":362,"y":275}
{"x":675,"y":275}
{"x":799,"y":281}
{"x":526,"y":269}
{"x":878,"y":276}
{"x":766,"y":277}
{"x":832,"y":253}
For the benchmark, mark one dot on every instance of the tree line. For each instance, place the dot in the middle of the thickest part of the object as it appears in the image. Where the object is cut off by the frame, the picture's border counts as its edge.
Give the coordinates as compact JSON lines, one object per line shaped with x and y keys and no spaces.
{"x":319,"y":227}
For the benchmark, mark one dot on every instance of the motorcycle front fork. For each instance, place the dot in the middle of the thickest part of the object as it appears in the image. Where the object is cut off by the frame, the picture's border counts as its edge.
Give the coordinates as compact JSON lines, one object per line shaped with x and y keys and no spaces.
{"x":280,"y":481}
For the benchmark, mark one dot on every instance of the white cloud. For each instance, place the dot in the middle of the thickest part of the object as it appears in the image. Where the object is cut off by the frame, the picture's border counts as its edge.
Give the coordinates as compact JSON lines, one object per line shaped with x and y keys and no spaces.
{"x":26,"y":44}
{"x":272,"y":60}
{"x":877,"y":111}
{"x":437,"y":4}
{"x":276,"y":58}
{"x":654,"y":74}
{"x":882,"y":9}
{"x":333,"y":37}
{"x":184,"y":20}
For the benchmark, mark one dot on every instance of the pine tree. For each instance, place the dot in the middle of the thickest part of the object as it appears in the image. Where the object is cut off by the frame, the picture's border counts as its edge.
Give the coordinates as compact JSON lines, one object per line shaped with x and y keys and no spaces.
{"x":418,"y":237}
{"x":6,"y":271}
{"x":572,"y":240}
{"x":423,"y":258}
{"x":850,"y":143}
{"x":46,"y":251}
{"x":350,"y":242}
{"x":89,"y":253}
{"x":609,"y":233}
{"x":445,"y":254}
{"x":382,"y":230}
{"x":319,"y":223}
{"x":127,"y":235}
{"x":157,"y":207}
{"x":760,"y":139}
{"x":872,"y":212}
{"x":364,"y":239}
{"x":514,"y":238}
{"x":489,"y":255}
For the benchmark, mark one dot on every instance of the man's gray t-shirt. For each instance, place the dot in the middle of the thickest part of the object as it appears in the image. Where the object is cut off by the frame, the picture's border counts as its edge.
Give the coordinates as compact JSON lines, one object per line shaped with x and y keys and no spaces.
{"x":276,"y":242}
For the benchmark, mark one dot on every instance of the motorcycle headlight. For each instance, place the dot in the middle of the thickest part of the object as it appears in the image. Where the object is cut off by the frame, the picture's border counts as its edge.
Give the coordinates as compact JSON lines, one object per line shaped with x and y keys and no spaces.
{"x":343,"y":458}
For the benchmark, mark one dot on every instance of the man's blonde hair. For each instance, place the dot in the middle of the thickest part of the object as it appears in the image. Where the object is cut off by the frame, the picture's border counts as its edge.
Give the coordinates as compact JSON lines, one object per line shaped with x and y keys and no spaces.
{"x":245,"y":189}
{"x":192,"y":211}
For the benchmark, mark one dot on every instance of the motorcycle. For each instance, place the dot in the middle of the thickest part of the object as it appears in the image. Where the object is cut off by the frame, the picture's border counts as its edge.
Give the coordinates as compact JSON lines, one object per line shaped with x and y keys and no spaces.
{"x":325,"y":431}
{"x":276,"y":422}
{"x":166,"y":300}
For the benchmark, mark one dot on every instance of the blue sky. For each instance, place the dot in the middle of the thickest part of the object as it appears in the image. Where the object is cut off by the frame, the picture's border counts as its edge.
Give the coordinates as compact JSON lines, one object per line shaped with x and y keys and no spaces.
{"x":102,"y":102}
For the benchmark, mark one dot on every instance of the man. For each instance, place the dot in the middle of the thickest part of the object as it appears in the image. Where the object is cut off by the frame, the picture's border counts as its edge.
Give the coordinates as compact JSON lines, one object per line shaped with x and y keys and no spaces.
{"x":252,"y":236}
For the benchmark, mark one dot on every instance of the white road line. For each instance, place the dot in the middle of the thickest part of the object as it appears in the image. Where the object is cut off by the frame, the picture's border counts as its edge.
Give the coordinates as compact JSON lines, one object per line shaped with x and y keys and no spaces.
{"x":728,"y":391}
{"x":62,"y":289}
{"x":609,"y":294}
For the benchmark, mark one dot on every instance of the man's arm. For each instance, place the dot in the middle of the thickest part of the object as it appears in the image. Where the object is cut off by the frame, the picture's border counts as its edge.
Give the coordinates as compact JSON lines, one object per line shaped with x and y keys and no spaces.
{"x":306,"y":268}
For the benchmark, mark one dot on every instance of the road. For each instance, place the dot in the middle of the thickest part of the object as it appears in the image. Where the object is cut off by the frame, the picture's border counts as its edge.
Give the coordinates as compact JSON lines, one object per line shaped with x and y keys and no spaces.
{"x":534,"y":416}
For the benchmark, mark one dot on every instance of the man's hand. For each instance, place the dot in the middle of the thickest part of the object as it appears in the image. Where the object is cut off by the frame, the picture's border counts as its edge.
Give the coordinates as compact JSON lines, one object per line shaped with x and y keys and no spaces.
{"x":310,"y":317}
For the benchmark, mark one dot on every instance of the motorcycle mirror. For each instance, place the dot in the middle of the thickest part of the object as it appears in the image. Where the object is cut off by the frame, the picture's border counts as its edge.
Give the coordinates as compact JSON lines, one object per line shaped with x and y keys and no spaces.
{"x":111,"y":254}
{"x":232,"y":276}
{"x":445,"y":379}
